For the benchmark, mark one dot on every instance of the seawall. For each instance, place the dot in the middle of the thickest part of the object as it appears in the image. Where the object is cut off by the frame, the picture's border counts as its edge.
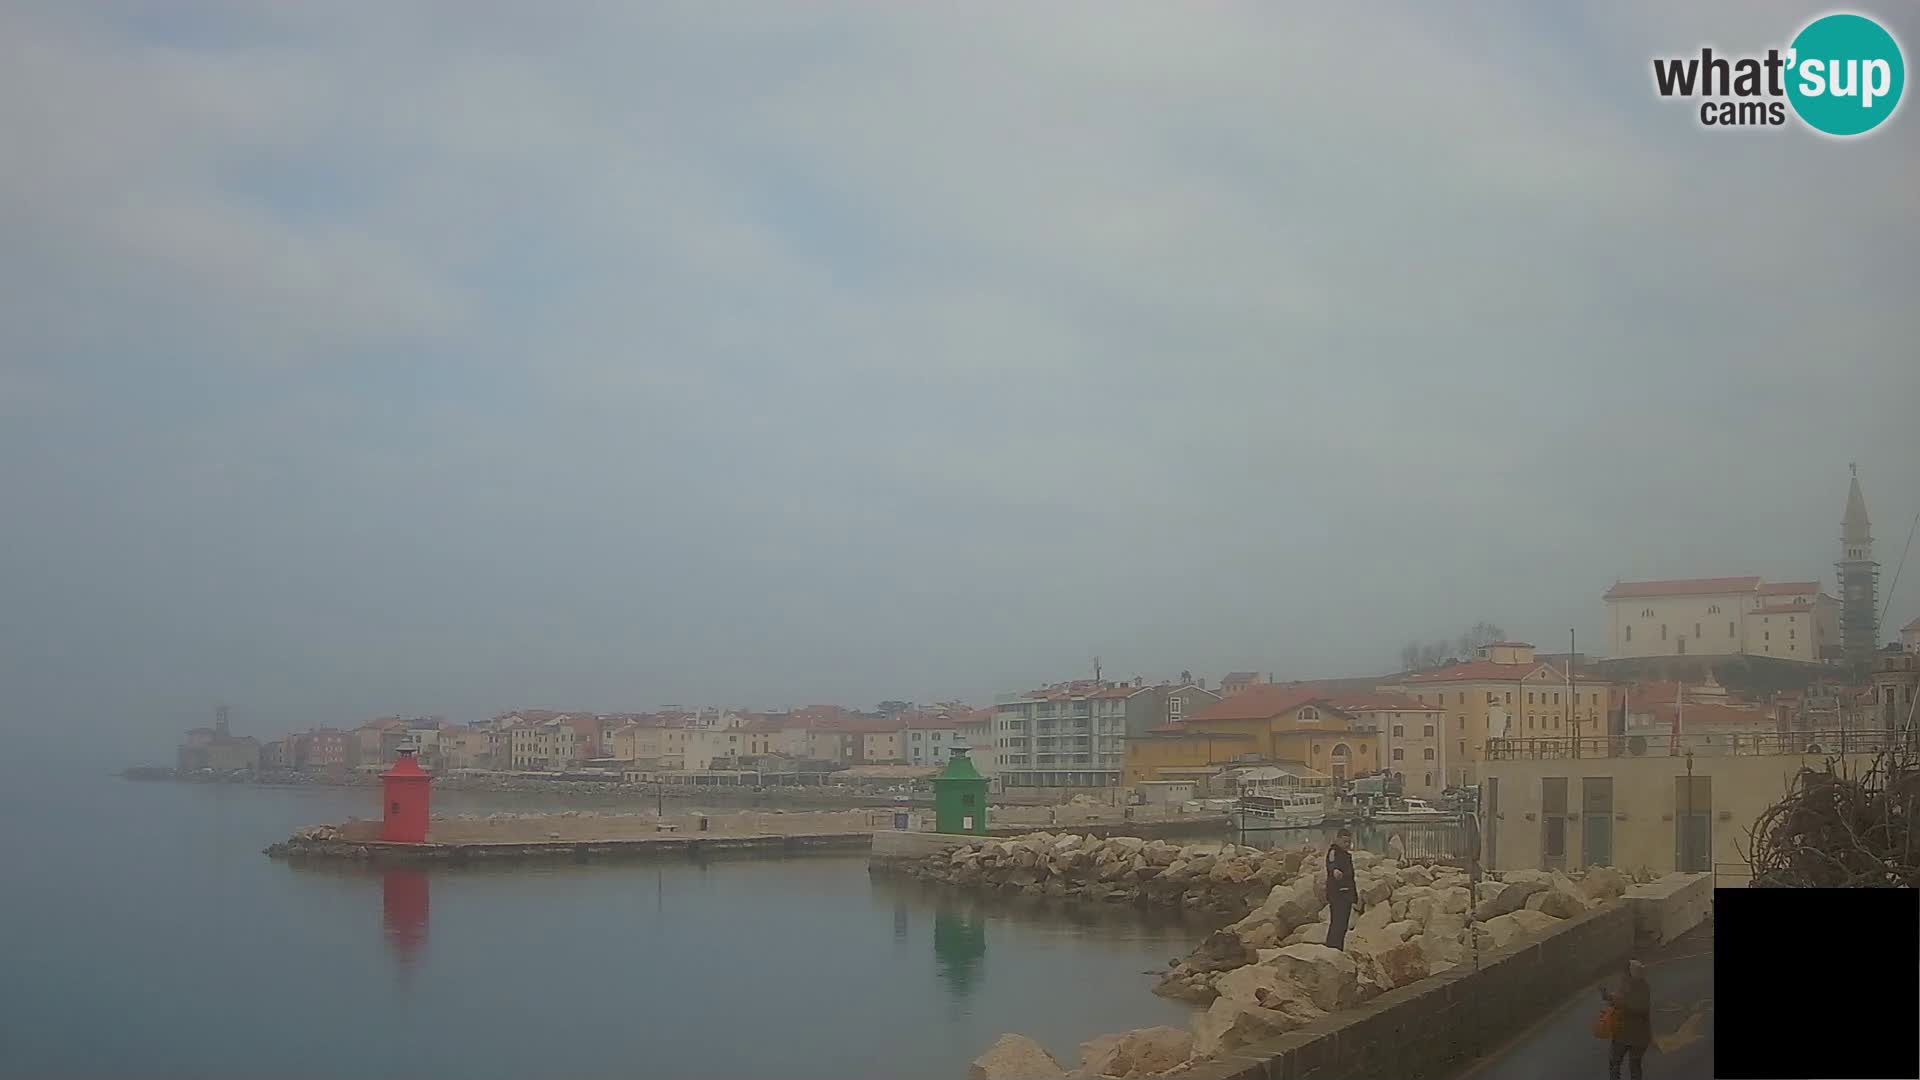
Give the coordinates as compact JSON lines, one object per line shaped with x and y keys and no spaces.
{"x":682,"y":846}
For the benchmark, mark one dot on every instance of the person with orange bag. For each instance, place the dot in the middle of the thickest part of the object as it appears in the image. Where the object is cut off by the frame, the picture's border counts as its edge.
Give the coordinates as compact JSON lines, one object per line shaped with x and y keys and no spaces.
{"x":1628,"y":1021}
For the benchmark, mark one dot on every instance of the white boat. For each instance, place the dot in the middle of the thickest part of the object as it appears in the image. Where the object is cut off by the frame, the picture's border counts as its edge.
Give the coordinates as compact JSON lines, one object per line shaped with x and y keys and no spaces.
{"x":1399,"y":811}
{"x":1290,"y":810}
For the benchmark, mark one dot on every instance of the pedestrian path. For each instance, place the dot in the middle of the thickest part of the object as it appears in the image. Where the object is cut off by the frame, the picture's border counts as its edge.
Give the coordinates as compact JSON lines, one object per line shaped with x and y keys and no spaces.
{"x":1562,"y":1044}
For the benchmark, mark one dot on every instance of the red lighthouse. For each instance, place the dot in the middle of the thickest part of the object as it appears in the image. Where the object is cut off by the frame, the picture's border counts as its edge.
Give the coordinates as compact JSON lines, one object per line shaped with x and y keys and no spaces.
{"x":406,"y":788}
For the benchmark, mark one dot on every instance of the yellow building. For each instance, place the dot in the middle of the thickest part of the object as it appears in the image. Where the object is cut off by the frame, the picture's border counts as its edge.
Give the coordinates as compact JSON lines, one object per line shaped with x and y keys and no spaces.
{"x":1504,"y":693}
{"x":1294,"y":724}
{"x":1685,"y":804}
{"x":1169,"y":753}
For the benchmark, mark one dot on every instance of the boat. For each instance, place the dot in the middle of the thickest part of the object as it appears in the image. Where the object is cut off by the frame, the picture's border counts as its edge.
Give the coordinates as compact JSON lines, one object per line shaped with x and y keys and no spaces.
{"x":1290,"y":810}
{"x":1402,"y":811}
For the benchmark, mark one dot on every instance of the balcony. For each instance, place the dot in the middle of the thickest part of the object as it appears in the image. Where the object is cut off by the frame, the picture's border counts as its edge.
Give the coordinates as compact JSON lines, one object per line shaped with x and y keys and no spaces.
{"x":1743,"y":744}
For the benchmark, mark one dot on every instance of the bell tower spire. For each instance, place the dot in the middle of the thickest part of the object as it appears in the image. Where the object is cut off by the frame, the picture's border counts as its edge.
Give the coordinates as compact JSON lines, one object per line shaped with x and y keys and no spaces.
{"x":1859,"y":578}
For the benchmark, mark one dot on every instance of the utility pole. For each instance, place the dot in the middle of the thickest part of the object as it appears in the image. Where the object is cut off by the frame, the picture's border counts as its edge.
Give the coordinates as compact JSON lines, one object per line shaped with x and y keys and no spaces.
{"x":1686,"y":825}
{"x":1573,"y":715}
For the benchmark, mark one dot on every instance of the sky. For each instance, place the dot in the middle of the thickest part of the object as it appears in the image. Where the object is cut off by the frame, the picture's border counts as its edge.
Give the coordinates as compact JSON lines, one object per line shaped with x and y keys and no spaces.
{"x":441,"y":358}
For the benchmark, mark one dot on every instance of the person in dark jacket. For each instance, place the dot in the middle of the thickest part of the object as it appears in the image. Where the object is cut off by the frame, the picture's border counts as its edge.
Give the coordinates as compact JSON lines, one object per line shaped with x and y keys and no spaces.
{"x":1632,"y":1021}
{"x":1341,"y":890}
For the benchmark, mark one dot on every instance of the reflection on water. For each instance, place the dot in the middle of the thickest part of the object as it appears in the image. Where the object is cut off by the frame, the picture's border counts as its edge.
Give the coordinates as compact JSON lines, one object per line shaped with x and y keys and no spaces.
{"x":959,"y":947}
{"x":403,"y":897}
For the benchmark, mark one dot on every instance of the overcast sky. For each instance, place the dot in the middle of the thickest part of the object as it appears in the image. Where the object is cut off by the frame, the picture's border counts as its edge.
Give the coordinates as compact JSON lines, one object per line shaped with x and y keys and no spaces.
{"x":441,"y":358}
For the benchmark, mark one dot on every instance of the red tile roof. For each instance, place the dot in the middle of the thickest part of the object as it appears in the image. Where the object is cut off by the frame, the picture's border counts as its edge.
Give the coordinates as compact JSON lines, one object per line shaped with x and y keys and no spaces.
{"x":1261,"y":701}
{"x":1682,"y":587}
{"x":1789,"y":588}
{"x":1477,"y":671}
{"x":1361,"y":703}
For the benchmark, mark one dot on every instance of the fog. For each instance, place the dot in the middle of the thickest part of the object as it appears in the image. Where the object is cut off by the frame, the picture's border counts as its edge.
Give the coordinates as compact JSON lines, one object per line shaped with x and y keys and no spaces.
{"x":355,"y":361}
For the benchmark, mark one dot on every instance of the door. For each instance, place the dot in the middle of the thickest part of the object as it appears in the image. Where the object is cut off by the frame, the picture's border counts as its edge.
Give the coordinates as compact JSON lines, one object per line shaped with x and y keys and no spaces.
{"x":1693,"y":824}
{"x":1490,"y":821}
{"x":1596,"y":821}
{"x":1553,"y":823}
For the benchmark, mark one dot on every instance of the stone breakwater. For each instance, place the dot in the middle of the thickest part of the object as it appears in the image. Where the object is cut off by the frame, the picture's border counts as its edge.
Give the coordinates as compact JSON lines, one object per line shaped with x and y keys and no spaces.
{"x":1269,"y":971}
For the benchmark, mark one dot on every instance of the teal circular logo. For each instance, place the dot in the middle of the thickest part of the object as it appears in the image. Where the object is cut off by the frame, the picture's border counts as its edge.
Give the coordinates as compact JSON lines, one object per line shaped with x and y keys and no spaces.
{"x":1845,"y":74}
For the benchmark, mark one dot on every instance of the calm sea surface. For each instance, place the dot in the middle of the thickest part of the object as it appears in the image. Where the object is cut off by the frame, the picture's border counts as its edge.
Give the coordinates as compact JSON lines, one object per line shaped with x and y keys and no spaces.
{"x":142,"y":933}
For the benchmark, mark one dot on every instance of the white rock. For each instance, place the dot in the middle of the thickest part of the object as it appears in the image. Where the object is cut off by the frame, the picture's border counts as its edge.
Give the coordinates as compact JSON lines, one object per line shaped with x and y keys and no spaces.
{"x":1327,"y":976}
{"x":1015,"y":1057}
{"x":1144,"y":1052}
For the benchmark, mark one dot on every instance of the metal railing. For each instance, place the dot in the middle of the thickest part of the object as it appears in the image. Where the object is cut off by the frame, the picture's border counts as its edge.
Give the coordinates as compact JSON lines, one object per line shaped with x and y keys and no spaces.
{"x":1759,"y":744}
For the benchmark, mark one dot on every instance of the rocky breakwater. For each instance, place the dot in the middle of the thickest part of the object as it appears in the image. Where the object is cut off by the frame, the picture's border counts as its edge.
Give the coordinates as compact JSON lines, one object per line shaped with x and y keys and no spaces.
{"x":1270,"y":971}
{"x":1220,"y":879}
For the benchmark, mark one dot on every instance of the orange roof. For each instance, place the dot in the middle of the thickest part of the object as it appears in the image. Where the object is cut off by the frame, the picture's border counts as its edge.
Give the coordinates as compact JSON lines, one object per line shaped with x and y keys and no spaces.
{"x":1261,"y":701}
{"x":1359,"y":703}
{"x":1789,"y":588}
{"x":1479,"y":671}
{"x":1682,"y":587}
{"x":1724,"y":715}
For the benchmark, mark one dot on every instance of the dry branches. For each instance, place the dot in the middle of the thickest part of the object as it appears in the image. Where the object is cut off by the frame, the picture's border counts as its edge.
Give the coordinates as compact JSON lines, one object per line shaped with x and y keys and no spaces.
{"x":1842,"y":827}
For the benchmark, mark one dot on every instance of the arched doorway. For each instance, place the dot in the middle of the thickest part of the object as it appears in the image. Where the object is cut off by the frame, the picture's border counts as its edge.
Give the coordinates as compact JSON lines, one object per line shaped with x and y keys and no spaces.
{"x":1342,"y":761}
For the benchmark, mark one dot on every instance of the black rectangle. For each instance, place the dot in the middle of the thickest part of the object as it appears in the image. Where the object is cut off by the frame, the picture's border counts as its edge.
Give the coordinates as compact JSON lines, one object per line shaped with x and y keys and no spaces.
{"x":1816,"y":983}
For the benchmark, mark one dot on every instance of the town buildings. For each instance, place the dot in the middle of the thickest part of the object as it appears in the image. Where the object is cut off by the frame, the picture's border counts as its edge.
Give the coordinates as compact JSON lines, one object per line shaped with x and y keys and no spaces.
{"x":217,"y":749}
{"x":1895,"y":691}
{"x":1410,"y":733}
{"x":1271,"y":724}
{"x":1738,"y":616}
{"x":1149,"y":707}
{"x":1504,"y":692}
{"x":1910,"y":636}
{"x":1681,"y":805}
{"x":1068,"y":735}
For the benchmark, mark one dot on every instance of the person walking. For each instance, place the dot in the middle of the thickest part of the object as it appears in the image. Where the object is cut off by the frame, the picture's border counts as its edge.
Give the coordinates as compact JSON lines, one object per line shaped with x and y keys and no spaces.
{"x":1342,"y":893}
{"x":1632,"y":1021}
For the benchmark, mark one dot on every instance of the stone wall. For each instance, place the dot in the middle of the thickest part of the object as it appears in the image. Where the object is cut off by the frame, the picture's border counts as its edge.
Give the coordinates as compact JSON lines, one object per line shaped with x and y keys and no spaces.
{"x":1425,"y":1027}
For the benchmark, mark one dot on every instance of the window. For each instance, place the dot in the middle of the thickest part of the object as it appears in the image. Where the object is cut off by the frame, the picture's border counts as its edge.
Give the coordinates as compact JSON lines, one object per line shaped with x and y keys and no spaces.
{"x":1429,"y":731}
{"x":1463,"y":698}
{"x":1463,"y":748}
{"x":1429,"y":753}
{"x":1766,"y":635}
{"x":1429,"y":779}
{"x":1174,"y":705}
{"x":1696,"y":629}
{"x":1509,"y":697}
{"x":1399,"y":754}
{"x":1663,"y":631}
{"x":1529,"y":697}
{"x":1646,"y":613}
{"x":1556,"y":699}
{"x":1629,"y":633}
{"x":1714,"y":610}
{"x":1729,"y":629}
{"x":1790,"y":634}
{"x":1400,"y":731}
{"x":1309,"y":713}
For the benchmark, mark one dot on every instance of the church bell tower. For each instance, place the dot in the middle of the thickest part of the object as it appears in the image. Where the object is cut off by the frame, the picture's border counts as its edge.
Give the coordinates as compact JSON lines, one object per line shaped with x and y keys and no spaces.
{"x":1859,"y":579}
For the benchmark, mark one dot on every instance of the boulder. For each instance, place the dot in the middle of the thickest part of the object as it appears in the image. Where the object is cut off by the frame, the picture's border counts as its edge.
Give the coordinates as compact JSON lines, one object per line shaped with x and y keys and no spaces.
{"x":1442,"y":949}
{"x":1539,"y":877}
{"x":1533,"y":922}
{"x":1292,"y":904}
{"x":1327,"y":976}
{"x":1511,"y":897}
{"x":1558,"y":904}
{"x":1371,"y":921}
{"x":1228,"y":1024}
{"x":1417,"y":875}
{"x":1603,"y":883}
{"x":1143,"y":1052}
{"x":1363,"y":860}
{"x":1312,"y":933}
{"x":1453,"y":901}
{"x":1501,"y":930}
{"x":1015,"y":1057}
{"x":1222,"y":950}
{"x":1374,"y":889}
{"x":1401,"y":964}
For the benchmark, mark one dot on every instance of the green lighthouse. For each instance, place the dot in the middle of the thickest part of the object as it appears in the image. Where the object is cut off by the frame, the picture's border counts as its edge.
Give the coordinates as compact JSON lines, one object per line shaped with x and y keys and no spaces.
{"x":960,"y":797}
